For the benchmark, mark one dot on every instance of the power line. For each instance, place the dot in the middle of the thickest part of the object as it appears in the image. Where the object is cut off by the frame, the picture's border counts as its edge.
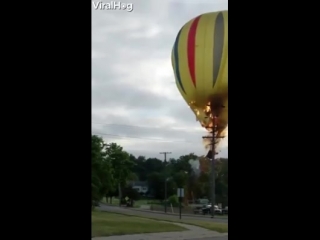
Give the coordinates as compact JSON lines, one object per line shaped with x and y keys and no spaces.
{"x":133,"y":137}
{"x":125,"y":125}
{"x":135,"y":126}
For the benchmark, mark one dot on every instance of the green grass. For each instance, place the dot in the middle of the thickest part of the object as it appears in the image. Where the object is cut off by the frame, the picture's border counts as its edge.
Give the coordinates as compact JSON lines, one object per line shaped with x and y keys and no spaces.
{"x":108,"y":224}
{"x":214,"y":226}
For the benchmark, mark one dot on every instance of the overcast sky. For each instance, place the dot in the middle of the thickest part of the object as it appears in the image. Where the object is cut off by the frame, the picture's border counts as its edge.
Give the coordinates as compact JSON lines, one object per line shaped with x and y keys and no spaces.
{"x":135,"y":101}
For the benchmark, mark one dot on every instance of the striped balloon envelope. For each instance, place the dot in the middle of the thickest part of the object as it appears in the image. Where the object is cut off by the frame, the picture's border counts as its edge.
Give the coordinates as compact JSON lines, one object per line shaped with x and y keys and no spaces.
{"x":200,"y":64}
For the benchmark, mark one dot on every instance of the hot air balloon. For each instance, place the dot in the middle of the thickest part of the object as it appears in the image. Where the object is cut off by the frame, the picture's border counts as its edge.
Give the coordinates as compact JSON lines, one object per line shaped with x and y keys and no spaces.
{"x":200,"y":64}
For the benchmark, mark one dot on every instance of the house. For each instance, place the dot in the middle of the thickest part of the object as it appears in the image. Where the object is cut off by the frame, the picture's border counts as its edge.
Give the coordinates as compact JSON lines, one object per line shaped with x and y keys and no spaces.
{"x":141,"y":187}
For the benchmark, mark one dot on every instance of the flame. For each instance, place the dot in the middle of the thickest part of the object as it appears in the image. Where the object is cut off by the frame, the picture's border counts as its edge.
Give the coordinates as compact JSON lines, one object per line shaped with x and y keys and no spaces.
{"x":205,"y":114}
{"x":207,"y":109}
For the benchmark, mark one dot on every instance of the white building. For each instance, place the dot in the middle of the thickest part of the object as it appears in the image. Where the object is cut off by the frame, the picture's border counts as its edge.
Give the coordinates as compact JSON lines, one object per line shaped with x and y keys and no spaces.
{"x":141,"y":187}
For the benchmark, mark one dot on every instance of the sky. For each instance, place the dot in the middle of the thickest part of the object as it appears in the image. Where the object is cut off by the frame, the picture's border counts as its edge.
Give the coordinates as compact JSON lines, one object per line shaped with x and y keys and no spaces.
{"x":135,"y":101}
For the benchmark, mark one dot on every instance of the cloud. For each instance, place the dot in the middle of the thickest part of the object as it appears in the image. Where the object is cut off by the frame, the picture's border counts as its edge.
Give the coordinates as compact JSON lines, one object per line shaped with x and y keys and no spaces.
{"x":135,"y":101}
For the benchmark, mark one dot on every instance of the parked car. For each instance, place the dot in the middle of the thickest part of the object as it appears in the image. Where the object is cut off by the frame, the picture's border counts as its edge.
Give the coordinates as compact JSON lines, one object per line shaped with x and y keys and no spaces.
{"x":225,"y":210}
{"x":207,"y":209}
{"x":197,"y":210}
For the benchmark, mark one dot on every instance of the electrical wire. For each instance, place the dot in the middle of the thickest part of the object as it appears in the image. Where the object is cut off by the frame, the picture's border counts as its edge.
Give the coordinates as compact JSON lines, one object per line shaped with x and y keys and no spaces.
{"x":135,"y":126}
{"x":140,"y":138}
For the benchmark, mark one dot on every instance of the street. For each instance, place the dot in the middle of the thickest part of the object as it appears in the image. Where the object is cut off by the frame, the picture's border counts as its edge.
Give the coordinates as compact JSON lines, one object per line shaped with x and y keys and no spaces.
{"x":157,"y":215}
{"x":211,"y":238}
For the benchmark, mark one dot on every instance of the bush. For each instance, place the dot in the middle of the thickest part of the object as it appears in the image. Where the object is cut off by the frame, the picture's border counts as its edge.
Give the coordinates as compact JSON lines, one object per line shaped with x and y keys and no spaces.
{"x":173,"y":200}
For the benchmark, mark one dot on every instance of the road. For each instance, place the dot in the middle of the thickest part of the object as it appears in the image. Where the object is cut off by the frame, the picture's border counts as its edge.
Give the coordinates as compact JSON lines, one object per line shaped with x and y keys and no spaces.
{"x":211,"y":238}
{"x":157,"y":214}
{"x":156,"y":237}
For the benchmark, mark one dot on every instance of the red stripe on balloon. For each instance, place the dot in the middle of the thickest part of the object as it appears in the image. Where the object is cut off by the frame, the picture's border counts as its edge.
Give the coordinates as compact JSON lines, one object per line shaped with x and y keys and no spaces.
{"x":192,"y":49}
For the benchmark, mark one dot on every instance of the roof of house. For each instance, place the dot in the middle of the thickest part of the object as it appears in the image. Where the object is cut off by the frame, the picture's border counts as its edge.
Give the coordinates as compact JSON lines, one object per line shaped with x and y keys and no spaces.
{"x":138,"y":183}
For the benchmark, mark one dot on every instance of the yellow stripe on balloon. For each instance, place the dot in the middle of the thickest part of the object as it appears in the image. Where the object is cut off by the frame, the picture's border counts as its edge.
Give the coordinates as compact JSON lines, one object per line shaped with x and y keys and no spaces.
{"x":204,"y":51}
{"x":200,"y":63}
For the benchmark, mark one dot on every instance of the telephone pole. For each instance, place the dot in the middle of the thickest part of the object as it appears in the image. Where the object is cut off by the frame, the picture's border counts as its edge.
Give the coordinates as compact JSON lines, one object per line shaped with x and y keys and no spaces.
{"x":213,"y":143}
{"x":165,"y":180}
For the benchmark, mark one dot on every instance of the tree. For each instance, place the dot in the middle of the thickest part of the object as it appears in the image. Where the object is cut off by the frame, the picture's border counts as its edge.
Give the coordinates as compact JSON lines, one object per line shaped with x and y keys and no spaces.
{"x":121,"y":165}
{"x":132,"y":194}
{"x":173,"y":200}
{"x":222,"y":182}
{"x":133,"y":177}
{"x":145,"y":166}
{"x":181,"y":172}
{"x":139,"y":167}
{"x":202,"y":189}
{"x":183,"y":163}
{"x":180,"y":178}
{"x":154,"y":165}
{"x":101,"y":170}
{"x":157,"y":186}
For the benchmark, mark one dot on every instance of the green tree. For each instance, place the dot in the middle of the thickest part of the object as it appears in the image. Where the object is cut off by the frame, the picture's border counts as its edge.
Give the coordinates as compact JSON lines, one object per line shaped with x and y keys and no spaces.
{"x":182,"y":163}
{"x":144,"y":166}
{"x":180,"y":178}
{"x":174,"y":200}
{"x":131,"y":193}
{"x":121,"y":165}
{"x":222,"y":181}
{"x":133,"y":177}
{"x":156,"y":181}
{"x":102,"y":180}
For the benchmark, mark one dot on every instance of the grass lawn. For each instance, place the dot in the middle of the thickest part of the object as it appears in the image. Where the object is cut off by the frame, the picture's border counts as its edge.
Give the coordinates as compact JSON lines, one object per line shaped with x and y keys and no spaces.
{"x":108,"y":224}
{"x":214,"y":226}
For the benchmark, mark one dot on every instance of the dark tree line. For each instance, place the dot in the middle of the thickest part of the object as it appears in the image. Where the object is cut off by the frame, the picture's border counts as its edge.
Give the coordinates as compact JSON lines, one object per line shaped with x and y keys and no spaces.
{"x":112,"y":168}
{"x":180,"y":173}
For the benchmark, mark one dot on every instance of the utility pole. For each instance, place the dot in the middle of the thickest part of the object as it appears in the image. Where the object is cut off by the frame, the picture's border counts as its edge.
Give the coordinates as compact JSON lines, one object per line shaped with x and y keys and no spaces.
{"x":165,"y":180}
{"x":213,"y":175}
{"x":213,"y":138}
